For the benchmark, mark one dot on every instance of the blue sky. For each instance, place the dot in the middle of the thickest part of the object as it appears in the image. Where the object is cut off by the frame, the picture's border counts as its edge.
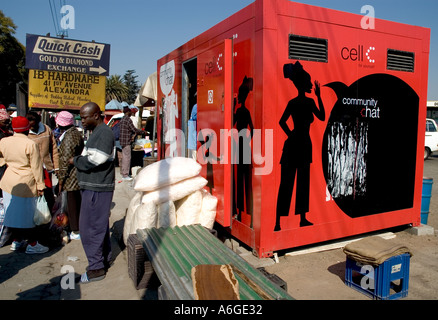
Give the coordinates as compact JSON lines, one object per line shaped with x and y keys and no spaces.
{"x":142,"y":31}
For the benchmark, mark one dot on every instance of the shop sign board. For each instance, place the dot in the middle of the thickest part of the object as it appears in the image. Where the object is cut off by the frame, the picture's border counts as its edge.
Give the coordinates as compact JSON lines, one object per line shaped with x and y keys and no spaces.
{"x":65,"y":55}
{"x":64,"y":90}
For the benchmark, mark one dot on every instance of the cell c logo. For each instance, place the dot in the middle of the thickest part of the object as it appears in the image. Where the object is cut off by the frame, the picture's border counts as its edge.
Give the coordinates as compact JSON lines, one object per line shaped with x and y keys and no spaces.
{"x":219,"y":67}
{"x":215,"y":65}
{"x":358,"y":54}
{"x":371,"y":60}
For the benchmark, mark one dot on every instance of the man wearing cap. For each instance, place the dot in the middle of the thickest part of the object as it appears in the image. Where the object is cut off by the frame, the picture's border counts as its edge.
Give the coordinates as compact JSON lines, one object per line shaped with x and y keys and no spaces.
{"x":71,"y":145}
{"x":11,"y":110}
{"x":134,"y":118}
{"x":127,"y":133}
{"x":21,"y":184}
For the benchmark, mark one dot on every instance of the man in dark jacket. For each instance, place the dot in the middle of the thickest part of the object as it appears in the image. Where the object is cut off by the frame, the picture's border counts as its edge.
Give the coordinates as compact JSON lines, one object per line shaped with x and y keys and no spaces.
{"x":96,"y":177}
{"x":127,"y":132}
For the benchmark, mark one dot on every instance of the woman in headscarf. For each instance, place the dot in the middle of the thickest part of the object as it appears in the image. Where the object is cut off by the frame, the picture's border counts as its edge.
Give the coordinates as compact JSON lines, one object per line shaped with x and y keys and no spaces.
{"x":22,"y":183}
{"x":5,"y":122}
{"x":71,"y":145}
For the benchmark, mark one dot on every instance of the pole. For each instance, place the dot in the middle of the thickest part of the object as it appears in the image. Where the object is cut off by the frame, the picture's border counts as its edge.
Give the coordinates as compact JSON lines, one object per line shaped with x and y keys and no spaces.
{"x":20,"y":100}
{"x":155,"y":126}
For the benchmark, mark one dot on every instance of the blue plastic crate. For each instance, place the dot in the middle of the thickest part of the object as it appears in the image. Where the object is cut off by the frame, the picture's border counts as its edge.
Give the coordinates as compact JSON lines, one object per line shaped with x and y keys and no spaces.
{"x":387,"y":281}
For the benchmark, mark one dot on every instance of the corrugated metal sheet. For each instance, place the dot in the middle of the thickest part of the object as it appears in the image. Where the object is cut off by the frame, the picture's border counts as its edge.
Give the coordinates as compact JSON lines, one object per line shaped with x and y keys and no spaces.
{"x":173,"y":252}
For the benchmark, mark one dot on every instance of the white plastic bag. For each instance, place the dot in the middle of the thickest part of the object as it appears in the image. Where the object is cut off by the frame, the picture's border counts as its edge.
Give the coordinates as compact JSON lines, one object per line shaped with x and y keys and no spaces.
{"x":133,"y":205}
{"x":166,"y":172}
{"x":42,"y":213}
{"x":145,"y":217}
{"x":166,"y":215}
{"x":175,"y":191}
{"x":188,"y":209}
{"x":208,"y":209}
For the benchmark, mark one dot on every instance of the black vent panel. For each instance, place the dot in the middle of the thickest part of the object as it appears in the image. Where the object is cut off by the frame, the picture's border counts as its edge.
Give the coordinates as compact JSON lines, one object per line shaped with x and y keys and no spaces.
{"x":400,"y":60}
{"x":306,"y":48}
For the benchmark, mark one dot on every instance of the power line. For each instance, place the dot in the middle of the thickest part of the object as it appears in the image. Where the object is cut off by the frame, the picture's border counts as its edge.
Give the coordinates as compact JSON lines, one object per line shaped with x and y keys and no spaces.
{"x":56,"y":17}
{"x":64,"y":32}
{"x":52,"y":9}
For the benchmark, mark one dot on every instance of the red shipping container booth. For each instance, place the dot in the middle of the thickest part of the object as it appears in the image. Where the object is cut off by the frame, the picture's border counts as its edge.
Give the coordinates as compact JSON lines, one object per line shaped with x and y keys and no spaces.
{"x":301,"y":113}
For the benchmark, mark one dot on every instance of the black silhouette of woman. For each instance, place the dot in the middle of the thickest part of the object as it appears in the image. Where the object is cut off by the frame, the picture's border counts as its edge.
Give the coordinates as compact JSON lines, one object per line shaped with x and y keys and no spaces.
{"x":209,"y":157}
{"x":297,"y":149}
{"x":244,"y":125}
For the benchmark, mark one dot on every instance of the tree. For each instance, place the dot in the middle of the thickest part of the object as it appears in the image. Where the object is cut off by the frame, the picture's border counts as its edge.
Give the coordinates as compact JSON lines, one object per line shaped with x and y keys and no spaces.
{"x":130,"y":81}
{"x":12,"y":61}
{"x":115,"y":89}
{"x":122,"y":89}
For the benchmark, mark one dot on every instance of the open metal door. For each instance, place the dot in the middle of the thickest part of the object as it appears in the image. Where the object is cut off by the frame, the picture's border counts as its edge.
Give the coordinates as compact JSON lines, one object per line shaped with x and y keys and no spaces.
{"x":184,"y":108}
{"x":214,"y":86}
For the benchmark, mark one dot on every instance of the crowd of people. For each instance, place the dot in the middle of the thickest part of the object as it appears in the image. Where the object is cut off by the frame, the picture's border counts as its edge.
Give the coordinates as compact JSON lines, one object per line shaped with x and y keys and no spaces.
{"x":30,"y":155}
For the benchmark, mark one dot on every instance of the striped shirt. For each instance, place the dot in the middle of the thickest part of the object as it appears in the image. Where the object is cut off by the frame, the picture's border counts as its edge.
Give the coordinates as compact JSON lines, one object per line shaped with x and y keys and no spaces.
{"x":127,"y":129}
{"x":96,"y":163}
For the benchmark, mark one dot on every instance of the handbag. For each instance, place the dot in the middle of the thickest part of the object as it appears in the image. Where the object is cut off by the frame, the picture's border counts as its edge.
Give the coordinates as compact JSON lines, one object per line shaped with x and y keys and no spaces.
{"x":60,"y":218}
{"x":5,"y":232}
{"x":42,"y":212}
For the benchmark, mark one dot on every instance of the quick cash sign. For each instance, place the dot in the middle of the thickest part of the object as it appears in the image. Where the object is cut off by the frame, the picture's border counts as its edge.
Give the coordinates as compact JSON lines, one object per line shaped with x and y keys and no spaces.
{"x":66,"y":74}
{"x":54,"y":54}
{"x":63,"y":90}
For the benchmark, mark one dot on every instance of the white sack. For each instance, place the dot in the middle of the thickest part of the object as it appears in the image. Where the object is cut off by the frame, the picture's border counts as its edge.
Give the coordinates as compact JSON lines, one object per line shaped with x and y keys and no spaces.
{"x":166,"y":172}
{"x":188,"y":209}
{"x":145,"y":217}
{"x":133,"y":205}
{"x":208,"y":209}
{"x":175,"y":191}
{"x":166,"y":215}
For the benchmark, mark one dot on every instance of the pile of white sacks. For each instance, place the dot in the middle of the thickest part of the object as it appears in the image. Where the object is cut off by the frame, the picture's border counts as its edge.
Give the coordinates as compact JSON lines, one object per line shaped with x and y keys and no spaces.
{"x":170,"y":193}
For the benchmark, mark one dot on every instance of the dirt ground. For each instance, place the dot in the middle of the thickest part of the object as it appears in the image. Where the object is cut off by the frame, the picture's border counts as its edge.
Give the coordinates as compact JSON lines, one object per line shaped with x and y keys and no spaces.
{"x":321,"y":275}
{"x":311,"y":276}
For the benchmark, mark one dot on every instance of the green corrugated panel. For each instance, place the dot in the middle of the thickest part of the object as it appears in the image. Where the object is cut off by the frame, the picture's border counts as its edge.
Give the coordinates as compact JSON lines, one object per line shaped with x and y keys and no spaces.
{"x":173,"y":253}
{"x":170,"y":277}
